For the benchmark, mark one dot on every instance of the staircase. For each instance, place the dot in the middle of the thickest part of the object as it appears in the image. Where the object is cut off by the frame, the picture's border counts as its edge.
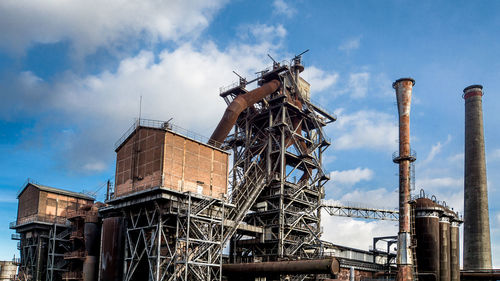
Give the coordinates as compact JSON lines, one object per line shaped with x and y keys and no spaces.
{"x":245,"y":194}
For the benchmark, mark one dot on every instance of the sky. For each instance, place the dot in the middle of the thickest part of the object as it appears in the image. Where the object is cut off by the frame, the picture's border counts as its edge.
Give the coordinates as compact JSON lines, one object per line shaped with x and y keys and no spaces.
{"x":72,"y":74}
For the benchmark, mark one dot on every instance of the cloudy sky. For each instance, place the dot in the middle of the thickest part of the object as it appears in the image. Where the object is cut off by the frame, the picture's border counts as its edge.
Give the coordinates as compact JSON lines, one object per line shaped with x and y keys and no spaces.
{"x":72,"y":74}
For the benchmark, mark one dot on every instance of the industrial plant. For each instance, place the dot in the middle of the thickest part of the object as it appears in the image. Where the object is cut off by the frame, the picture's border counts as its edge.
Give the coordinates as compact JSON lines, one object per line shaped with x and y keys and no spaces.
{"x":246,"y":203}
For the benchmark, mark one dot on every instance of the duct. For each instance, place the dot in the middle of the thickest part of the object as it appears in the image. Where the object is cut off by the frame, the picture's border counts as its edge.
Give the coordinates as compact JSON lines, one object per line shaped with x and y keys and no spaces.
{"x":321,"y":266}
{"x":89,"y":268}
{"x":403,"y":89}
{"x":239,"y":104}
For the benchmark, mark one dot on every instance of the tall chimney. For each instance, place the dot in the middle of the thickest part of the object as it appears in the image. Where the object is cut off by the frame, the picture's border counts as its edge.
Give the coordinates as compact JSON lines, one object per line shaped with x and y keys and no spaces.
{"x":403,"y":89}
{"x":477,"y":247}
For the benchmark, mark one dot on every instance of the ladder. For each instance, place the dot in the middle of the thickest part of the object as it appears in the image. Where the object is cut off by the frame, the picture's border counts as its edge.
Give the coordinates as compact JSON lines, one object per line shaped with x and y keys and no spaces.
{"x":413,"y":245}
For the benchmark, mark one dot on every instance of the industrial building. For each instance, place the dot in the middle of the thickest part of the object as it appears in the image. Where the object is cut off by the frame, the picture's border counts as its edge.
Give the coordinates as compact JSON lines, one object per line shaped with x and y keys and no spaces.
{"x":244,"y":204}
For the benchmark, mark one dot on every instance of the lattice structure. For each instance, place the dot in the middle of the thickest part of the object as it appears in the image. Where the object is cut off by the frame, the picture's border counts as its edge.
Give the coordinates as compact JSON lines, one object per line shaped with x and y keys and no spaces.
{"x":178,"y":238}
{"x":199,"y":239}
{"x":352,"y":211}
{"x":277,"y":147}
{"x":58,"y":245}
{"x":33,"y":253}
{"x":149,"y":242}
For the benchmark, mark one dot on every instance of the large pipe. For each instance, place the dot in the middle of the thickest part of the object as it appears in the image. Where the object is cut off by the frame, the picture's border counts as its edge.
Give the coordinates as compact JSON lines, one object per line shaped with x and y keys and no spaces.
{"x":480,"y":275}
{"x":239,"y":104}
{"x":321,"y":266}
{"x":403,"y":89}
{"x":477,"y":245}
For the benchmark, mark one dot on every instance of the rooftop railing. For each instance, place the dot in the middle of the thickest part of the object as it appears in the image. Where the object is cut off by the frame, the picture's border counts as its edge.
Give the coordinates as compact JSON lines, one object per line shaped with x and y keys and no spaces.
{"x":157,"y":124}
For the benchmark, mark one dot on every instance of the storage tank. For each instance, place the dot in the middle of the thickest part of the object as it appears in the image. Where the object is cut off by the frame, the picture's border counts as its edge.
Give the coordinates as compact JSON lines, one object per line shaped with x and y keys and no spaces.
{"x":444,"y":247}
{"x":427,"y":214}
{"x":8,"y":269}
{"x":112,"y":249}
{"x":455,"y":248}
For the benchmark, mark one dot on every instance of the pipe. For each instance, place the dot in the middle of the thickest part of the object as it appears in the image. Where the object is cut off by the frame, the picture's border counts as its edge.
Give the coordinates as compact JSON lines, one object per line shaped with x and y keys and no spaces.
{"x":477,"y":245}
{"x":479,"y":275}
{"x":237,"y":106}
{"x":403,"y":89}
{"x":320,"y":266}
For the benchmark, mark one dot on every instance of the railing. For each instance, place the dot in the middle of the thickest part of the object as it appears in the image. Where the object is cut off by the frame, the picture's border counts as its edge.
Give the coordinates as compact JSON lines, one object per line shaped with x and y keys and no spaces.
{"x":28,"y":180}
{"x":72,"y":275}
{"x":41,"y":218}
{"x":12,"y":224}
{"x":228,"y":87}
{"x":157,"y":124}
{"x":16,"y":236}
{"x":75,"y":254}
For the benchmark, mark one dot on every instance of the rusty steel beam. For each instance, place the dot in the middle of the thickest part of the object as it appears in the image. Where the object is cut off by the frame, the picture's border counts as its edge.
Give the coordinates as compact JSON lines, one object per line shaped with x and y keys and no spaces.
{"x":237,"y":106}
{"x":403,"y":89}
{"x":319,"y":266}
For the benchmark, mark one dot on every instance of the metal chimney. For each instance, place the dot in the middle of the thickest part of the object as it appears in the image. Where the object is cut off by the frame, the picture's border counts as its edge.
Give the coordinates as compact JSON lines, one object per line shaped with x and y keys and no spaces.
{"x":403,"y":89}
{"x":477,"y":247}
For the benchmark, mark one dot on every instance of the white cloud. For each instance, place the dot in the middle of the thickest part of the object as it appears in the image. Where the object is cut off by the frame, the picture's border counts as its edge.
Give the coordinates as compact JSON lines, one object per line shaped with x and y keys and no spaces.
{"x":90,"y":24}
{"x":365,"y":129}
{"x":282,"y":8}
{"x":319,"y":79}
{"x":459,"y":157}
{"x":358,"y":84}
{"x":375,"y":198}
{"x":498,"y":219}
{"x":431,"y":183}
{"x":436,"y":149}
{"x":495,"y":155}
{"x":263,"y":32}
{"x":351,"y":177}
{"x":350,"y":44}
{"x":354,"y":232}
{"x":182,"y":84}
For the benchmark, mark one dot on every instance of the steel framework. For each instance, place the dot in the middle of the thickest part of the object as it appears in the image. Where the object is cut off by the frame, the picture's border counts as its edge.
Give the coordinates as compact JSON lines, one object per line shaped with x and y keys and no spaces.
{"x":346,"y":210}
{"x":278,"y":145}
{"x":58,"y":244}
{"x":175,"y":239}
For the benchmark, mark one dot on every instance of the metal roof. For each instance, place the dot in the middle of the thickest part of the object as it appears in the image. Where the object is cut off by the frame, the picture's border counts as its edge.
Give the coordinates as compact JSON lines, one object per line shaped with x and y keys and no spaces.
{"x":57,"y":191}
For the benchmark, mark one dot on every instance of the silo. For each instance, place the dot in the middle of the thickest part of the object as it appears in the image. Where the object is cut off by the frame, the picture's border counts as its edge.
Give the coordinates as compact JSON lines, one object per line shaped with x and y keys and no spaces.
{"x":455,"y":248}
{"x":427,"y":215}
{"x":444,"y":247}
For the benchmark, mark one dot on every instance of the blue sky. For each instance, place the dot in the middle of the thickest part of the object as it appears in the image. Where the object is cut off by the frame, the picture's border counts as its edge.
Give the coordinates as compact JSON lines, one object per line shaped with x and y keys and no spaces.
{"x":72,"y":73}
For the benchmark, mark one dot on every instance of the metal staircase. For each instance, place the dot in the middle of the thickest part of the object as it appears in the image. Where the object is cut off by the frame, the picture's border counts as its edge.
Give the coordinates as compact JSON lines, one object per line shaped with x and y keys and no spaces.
{"x":245,"y":194}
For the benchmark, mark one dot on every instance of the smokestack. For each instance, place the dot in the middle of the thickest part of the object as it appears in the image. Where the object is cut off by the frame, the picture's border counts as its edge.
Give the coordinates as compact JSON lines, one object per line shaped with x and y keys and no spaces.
{"x":477,"y":247}
{"x":403,"y":89}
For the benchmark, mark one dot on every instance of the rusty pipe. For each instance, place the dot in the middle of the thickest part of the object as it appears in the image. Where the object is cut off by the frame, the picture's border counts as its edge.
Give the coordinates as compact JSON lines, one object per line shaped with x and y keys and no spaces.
{"x":403,"y":89}
{"x":239,"y":104}
{"x":319,"y":266}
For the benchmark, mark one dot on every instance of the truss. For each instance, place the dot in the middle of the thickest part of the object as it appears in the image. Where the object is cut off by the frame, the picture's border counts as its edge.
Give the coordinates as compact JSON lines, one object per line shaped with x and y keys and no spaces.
{"x":277,"y":147}
{"x":344,"y":210}
{"x":58,"y":244}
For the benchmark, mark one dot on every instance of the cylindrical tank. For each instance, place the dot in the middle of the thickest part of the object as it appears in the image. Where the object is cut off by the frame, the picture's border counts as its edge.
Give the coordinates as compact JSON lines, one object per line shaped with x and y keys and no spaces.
{"x":455,"y":249}
{"x":427,"y":215}
{"x":89,"y":268}
{"x":91,"y":233}
{"x":7,"y":270}
{"x":112,"y":249}
{"x":444,"y":248}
